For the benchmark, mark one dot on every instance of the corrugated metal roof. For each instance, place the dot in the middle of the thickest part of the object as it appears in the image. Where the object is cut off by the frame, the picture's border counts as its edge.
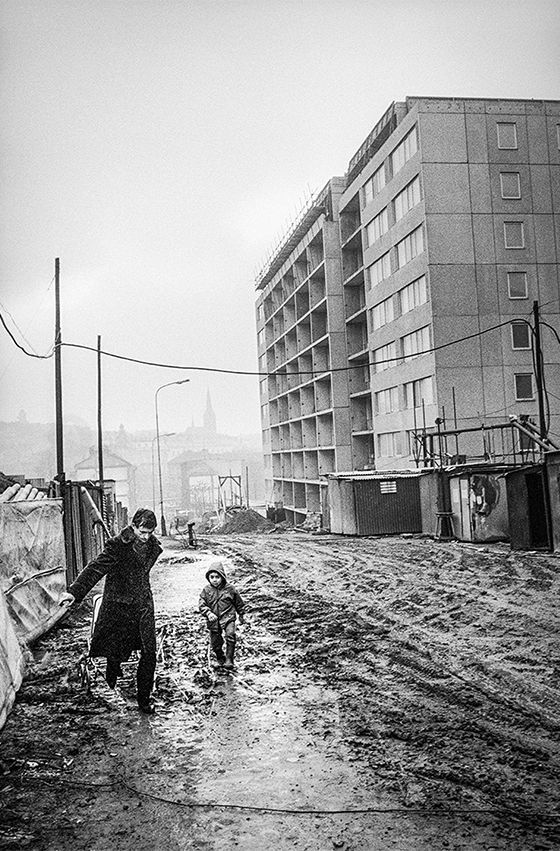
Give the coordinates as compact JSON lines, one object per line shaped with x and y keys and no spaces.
{"x":19,"y":493}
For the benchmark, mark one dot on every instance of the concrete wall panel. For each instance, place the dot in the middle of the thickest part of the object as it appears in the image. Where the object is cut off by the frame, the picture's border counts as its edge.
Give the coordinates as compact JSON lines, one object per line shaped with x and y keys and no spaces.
{"x":448,"y":329}
{"x":545,"y":244}
{"x":477,"y":143}
{"x":450,"y":239}
{"x":442,"y":137}
{"x":542,"y":189}
{"x":494,"y":396}
{"x":487,"y":289}
{"x":453,"y":290}
{"x":491,"y":347}
{"x":468,"y":390}
{"x":480,"y":188}
{"x":555,"y":187}
{"x":552,"y":124}
{"x":484,"y":249}
{"x":446,"y":188}
{"x":536,"y":138}
{"x":547,"y":289}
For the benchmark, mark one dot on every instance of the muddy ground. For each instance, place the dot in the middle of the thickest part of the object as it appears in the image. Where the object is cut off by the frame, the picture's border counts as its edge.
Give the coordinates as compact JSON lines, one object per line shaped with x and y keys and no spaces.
{"x":390,"y":693}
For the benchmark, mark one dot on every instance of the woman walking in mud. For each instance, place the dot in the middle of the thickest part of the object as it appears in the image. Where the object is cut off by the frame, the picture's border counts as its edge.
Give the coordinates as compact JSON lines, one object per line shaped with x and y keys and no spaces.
{"x":126,"y":619}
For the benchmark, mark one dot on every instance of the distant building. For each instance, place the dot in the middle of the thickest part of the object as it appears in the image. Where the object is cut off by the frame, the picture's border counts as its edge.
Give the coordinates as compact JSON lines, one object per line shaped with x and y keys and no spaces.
{"x":446,"y":228}
{"x":188,"y":459}
{"x":209,"y":416}
{"x":115,"y":468}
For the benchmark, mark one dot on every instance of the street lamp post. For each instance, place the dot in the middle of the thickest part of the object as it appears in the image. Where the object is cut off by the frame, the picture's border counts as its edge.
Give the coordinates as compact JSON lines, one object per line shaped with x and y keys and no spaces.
{"x":183,"y":381}
{"x":167,"y":434}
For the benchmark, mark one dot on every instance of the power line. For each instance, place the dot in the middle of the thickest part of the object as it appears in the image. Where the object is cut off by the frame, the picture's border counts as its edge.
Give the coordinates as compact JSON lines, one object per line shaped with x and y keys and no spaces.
{"x":295,"y":371}
{"x":267,"y":374}
{"x":31,"y":346}
{"x":23,"y":349}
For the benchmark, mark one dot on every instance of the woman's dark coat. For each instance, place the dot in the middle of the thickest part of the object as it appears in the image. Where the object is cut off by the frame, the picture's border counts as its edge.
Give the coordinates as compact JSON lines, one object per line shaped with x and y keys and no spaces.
{"x":126,"y":617}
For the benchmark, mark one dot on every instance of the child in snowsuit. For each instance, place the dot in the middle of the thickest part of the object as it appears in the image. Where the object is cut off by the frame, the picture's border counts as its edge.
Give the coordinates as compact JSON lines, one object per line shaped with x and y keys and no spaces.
{"x":219,"y":602}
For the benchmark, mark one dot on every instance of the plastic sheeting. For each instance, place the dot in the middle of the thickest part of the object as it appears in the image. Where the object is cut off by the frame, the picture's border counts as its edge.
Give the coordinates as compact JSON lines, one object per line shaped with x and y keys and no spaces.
{"x":32,"y":563}
{"x":11,"y":662}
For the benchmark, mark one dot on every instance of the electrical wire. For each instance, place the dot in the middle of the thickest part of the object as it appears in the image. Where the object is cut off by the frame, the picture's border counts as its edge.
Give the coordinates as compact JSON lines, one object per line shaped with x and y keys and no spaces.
{"x":443,"y":812}
{"x":295,"y":371}
{"x":266,"y":374}
{"x":554,"y":331}
{"x":23,"y":349}
{"x":31,"y":346}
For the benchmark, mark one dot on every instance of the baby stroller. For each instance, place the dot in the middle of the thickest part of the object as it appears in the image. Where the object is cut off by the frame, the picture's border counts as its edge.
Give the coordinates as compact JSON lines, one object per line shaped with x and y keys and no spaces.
{"x":88,"y":667}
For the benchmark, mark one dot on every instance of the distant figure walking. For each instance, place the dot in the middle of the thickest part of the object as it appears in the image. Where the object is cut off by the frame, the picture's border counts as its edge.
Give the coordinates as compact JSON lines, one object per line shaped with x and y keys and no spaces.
{"x":220,"y":602}
{"x":126,"y":620}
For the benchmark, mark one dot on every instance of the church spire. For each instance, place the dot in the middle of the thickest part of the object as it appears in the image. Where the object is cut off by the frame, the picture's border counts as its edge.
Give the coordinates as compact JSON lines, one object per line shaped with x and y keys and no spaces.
{"x":209,"y":415}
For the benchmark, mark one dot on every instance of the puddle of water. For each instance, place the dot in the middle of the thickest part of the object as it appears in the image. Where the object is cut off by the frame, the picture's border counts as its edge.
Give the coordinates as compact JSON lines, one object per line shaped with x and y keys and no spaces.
{"x":272,"y":737}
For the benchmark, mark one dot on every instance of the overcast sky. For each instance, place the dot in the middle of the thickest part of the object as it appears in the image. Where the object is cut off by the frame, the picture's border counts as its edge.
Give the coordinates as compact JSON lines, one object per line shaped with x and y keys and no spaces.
{"x":158,"y":149}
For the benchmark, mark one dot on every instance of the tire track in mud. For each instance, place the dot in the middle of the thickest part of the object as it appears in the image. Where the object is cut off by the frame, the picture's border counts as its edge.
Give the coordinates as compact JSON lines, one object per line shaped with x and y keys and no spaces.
{"x":436,"y":727}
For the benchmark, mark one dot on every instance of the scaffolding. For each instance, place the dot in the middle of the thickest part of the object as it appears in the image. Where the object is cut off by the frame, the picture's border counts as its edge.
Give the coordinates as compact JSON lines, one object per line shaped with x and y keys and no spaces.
{"x":515,"y":443}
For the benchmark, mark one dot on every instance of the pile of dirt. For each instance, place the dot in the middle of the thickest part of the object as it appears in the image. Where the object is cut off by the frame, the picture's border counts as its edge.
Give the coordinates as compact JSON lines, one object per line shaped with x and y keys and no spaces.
{"x":243,"y":520}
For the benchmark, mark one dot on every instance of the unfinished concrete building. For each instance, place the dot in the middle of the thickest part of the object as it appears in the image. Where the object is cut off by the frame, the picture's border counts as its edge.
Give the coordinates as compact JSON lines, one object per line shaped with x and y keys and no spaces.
{"x":449,"y":227}
{"x":301,"y":344}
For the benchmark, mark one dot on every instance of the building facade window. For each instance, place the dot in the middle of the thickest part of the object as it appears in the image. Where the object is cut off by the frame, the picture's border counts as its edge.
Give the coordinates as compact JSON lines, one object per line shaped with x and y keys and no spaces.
{"x":520,"y":338}
{"x":514,"y":235}
{"x":507,"y":135}
{"x":384,"y":357}
{"x":374,"y":185}
{"x":417,"y":343}
{"x":404,"y":151}
{"x":523,"y":386}
{"x":417,"y":392}
{"x":382,"y":313}
{"x":411,"y":246}
{"x":413,"y":295}
{"x":517,"y":284}
{"x":260,"y":338}
{"x":377,"y":227}
{"x":407,"y":199}
{"x":389,"y":444}
{"x":386,"y":401}
{"x":379,"y":270}
{"x":510,"y":184}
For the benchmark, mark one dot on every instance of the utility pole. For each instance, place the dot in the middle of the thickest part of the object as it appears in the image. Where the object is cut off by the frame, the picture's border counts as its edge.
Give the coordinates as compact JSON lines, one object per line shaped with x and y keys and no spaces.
{"x":100,"y":428}
{"x":58,"y":376}
{"x":538,"y":369}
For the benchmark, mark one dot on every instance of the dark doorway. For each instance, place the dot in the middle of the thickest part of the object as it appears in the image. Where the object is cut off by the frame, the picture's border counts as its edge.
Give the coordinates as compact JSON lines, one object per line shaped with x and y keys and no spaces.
{"x":538,"y":514}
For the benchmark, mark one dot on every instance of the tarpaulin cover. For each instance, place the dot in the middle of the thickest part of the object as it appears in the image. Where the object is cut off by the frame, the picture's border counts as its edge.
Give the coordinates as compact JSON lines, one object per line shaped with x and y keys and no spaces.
{"x":32,"y":563}
{"x":11,"y":662}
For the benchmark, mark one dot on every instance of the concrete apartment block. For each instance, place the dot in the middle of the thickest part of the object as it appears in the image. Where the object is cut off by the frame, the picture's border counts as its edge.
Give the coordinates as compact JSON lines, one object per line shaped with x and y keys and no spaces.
{"x":446,"y":224}
{"x":484,"y":223}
